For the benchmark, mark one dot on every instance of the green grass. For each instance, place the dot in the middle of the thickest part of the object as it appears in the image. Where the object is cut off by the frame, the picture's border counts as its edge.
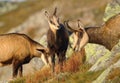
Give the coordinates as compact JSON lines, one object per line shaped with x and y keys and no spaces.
{"x":82,"y":76}
{"x":19,"y":80}
{"x":86,"y":77}
{"x":43,"y":76}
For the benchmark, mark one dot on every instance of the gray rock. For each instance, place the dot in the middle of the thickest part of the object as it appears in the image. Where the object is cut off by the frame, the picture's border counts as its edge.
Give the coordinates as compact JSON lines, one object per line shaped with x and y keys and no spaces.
{"x":112,"y":9}
{"x":107,"y":59}
{"x":103,"y":76}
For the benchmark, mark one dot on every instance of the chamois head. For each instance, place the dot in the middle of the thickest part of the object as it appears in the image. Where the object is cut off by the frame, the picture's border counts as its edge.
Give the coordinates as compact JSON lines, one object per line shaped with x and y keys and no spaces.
{"x":79,"y":34}
{"x":75,"y":25}
{"x":53,"y":20}
{"x":45,"y":55}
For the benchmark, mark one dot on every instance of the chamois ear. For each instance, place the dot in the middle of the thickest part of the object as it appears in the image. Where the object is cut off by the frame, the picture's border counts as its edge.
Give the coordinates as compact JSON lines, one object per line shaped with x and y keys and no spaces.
{"x":46,"y":14}
{"x":41,"y":50}
{"x":66,"y":23}
{"x":55,"y":11}
{"x":80,"y":25}
{"x":44,"y":50}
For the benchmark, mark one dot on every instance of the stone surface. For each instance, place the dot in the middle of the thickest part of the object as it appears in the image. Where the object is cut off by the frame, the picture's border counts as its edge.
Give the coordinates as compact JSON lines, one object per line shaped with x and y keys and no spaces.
{"x":112,"y":9}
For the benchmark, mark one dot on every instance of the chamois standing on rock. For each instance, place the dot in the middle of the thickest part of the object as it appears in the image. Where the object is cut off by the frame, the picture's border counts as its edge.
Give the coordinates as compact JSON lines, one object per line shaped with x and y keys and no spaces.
{"x":79,"y":34}
{"x":57,"y":39}
{"x":107,"y":35}
{"x":18,"y":49}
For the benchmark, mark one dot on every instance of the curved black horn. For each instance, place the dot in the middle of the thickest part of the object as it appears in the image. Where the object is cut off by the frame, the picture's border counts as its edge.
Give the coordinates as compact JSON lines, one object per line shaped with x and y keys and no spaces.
{"x":55,"y":11}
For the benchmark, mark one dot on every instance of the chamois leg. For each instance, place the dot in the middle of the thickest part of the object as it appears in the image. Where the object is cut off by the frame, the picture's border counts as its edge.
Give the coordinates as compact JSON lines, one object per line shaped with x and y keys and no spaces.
{"x":15,"y":68}
{"x":84,"y":40}
{"x":75,"y":42}
{"x":53,"y":62}
{"x":20,"y":71}
{"x":78,"y":45}
{"x":62,"y":58}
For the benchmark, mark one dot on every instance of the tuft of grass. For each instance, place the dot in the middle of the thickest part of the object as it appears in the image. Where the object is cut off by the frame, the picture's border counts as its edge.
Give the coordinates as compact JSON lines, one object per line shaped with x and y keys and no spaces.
{"x":81,"y":76}
{"x":77,"y":59}
{"x":78,"y":72}
{"x":18,"y":80}
{"x":85,"y":77}
{"x":72,"y":65}
{"x":115,"y":80}
{"x":114,"y":73}
{"x":40,"y":76}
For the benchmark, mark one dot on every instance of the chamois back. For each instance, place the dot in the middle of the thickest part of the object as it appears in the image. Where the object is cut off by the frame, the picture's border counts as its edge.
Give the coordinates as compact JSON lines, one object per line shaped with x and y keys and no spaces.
{"x":18,"y":49}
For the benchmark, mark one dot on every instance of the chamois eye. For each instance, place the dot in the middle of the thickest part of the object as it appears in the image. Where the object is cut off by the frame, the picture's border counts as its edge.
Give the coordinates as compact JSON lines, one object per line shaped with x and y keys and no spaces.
{"x":52,"y":22}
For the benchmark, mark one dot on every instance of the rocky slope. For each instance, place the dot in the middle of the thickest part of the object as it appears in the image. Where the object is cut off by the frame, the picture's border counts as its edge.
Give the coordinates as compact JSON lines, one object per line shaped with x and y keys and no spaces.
{"x":100,"y":58}
{"x":111,"y":62}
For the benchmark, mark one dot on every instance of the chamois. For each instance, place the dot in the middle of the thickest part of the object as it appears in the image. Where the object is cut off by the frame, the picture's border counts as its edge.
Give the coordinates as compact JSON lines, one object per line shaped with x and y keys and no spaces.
{"x":107,"y":35}
{"x":57,"y":39}
{"x":18,"y":49}
{"x":79,"y":34}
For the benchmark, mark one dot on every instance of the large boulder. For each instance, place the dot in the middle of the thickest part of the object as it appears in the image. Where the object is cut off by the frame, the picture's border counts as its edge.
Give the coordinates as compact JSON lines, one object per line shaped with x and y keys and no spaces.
{"x":110,"y":75}
{"x":112,"y":9}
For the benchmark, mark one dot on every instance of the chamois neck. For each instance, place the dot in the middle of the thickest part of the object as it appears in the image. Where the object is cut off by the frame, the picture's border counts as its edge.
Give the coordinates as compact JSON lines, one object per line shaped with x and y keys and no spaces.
{"x":94,"y":34}
{"x":53,"y":30}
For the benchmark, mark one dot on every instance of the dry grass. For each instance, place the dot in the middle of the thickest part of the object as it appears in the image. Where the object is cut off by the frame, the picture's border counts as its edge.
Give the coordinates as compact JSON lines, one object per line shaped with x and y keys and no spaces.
{"x":39,"y":77}
{"x":72,"y":65}
{"x":81,"y":76}
{"x":114,"y":73}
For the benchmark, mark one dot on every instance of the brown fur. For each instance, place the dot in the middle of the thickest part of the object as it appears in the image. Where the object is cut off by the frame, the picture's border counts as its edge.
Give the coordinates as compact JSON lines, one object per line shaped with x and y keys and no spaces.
{"x":107,"y":35}
{"x":18,"y":49}
{"x":57,"y":38}
{"x":79,"y":34}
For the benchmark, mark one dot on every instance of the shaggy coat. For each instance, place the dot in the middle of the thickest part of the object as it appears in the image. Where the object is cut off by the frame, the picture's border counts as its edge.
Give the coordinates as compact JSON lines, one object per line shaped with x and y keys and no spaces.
{"x":79,"y":34}
{"x":107,"y":35}
{"x":57,"y":39}
{"x":58,"y":43}
{"x":18,"y":49}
